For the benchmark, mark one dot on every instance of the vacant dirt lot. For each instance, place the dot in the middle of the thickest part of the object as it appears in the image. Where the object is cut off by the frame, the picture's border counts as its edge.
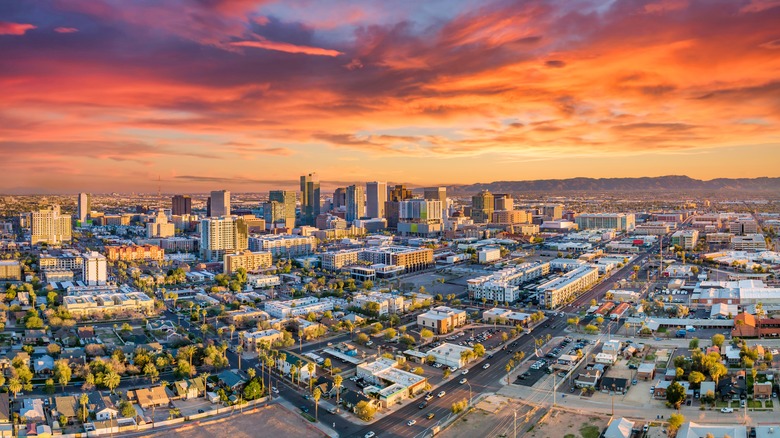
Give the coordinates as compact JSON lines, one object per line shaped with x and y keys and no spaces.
{"x":566,"y":424}
{"x":271,"y":421}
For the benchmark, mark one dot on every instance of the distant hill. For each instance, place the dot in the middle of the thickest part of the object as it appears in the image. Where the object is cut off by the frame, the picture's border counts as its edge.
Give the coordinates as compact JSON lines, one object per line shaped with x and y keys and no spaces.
{"x":672,"y":183}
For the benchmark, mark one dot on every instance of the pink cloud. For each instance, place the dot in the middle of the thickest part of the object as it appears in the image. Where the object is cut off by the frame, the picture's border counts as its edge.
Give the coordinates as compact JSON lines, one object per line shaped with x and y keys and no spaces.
{"x":759,"y":5}
{"x":286,"y":47}
{"x":8,"y":28}
{"x":66,"y":30}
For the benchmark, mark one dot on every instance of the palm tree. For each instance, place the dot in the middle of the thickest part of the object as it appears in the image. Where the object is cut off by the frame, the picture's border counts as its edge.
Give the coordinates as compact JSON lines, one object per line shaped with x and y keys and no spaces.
{"x":232,"y":329}
{"x":316,"y":395}
{"x":111,"y":380}
{"x":293,"y":372}
{"x":337,"y":380}
{"x":83,"y":401}
{"x":251,"y":373}
{"x":15,"y":386}
{"x":310,"y":369}
{"x":239,"y":350}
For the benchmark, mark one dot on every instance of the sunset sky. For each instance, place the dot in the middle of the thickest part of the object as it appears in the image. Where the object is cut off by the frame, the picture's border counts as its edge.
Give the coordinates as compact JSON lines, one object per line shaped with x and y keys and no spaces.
{"x":107,"y":95}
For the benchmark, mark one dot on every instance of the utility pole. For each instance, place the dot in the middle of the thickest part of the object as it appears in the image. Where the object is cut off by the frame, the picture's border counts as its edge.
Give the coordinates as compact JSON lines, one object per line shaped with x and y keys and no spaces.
{"x":515,"y":424}
{"x":553,"y":403}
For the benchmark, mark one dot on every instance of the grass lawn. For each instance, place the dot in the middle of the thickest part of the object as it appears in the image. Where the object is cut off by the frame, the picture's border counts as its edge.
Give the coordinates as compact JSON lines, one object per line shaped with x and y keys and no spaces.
{"x":590,"y":431}
{"x":569,"y":435}
{"x":735,"y":404}
{"x":721,"y":404}
{"x":769,"y":404}
{"x":755,"y":404}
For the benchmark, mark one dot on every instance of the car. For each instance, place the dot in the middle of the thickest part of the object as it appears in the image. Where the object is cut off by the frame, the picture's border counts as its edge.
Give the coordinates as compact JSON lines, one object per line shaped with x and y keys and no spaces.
{"x":307,"y":397}
{"x":652,"y":389}
{"x":688,"y":402}
{"x":370,"y":434}
{"x":304,"y":409}
{"x":428,"y":397}
{"x":463,"y":380}
{"x":369,"y":343}
{"x":774,"y":395}
{"x":411,"y":422}
{"x":742,"y":403}
{"x":452,"y":369}
{"x":333,"y":410}
{"x":441,"y":394}
{"x":465,"y":372}
{"x":422,"y":405}
{"x":646,"y":427}
{"x":634,"y":382}
{"x":430,"y":415}
{"x":490,"y":356}
{"x":572,"y":390}
{"x":727,"y":410}
{"x":200,"y":411}
{"x":486,"y":366}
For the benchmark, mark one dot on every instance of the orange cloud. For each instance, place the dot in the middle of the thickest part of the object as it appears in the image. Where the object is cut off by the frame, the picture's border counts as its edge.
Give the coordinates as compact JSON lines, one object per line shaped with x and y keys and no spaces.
{"x":65,"y":29}
{"x":286,"y":47}
{"x":8,"y":28}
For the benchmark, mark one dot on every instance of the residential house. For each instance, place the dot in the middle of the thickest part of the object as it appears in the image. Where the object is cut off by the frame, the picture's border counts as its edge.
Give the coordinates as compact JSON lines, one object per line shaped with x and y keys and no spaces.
{"x":613,"y":384}
{"x":694,"y":430}
{"x":619,"y":428}
{"x":32,"y":410}
{"x":350,"y":399}
{"x":762,"y":391}
{"x":732,"y":355}
{"x":86,"y":333}
{"x":232,"y":379}
{"x":75,"y":356}
{"x":589,"y":379}
{"x":154,"y":396}
{"x":43,"y":364}
{"x":190,"y":388}
{"x":5,"y":408}
{"x":645,"y":371}
{"x":35,"y":336}
{"x":101,"y":406}
{"x":67,"y":406}
{"x":732,"y":388}
{"x":670,"y":374}
{"x":706,"y":387}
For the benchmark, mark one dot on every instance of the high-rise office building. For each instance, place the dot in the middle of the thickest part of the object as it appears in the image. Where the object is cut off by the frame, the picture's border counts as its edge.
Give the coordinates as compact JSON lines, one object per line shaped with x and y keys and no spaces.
{"x":339,"y":198}
{"x":482,"y":207}
{"x":553,"y":211}
{"x":310,"y":198}
{"x":376,"y":196}
{"x":94,"y":272}
{"x":50,"y":227}
{"x":181,"y":205}
{"x":286,"y":199}
{"x":419,"y":217}
{"x":84,"y":205}
{"x":503,"y":201}
{"x":219,"y":203}
{"x":437,"y":194}
{"x":222,"y":235}
{"x":355,"y":203}
{"x":399,"y":193}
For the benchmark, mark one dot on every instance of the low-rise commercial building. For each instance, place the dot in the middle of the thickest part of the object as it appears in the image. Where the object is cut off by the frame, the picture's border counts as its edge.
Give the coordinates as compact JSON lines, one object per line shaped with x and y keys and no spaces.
{"x":133,"y":253}
{"x":617,"y":221}
{"x":398,"y":384}
{"x":410,"y":258}
{"x":505,"y":316}
{"x":749,"y":242}
{"x":387,"y":303}
{"x":250,"y":261}
{"x":254,"y":341}
{"x":567,"y":287}
{"x":299,"y":307}
{"x":502,"y":286}
{"x":85,"y":305}
{"x":686,"y":239}
{"x":442,"y":319}
{"x":449,"y":355}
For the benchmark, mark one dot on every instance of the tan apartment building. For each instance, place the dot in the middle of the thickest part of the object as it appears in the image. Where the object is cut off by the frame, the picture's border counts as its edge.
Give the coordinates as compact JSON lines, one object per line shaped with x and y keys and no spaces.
{"x":248,"y":260}
{"x":442,"y":319}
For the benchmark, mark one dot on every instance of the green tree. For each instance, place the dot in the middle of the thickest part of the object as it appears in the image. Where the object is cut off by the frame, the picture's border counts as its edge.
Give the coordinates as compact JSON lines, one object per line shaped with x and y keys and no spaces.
{"x":111,"y":380}
{"x":390,"y":334}
{"x":675,"y":394}
{"x":62,"y":372}
{"x":310,"y":369}
{"x":479,"y":350}
{"x":15,"y":386}
{"x":675,"y":421}
{"x":365,"y":411}
{"x":717,"y":371}
{"x":695,"y":378}
{"x":718,"y":339}
{"x":83,"y":402}
{"x":253,"y":390}
{"x":126,"y":409}
{"x":693,"y":344}
{"x":426,"y":334}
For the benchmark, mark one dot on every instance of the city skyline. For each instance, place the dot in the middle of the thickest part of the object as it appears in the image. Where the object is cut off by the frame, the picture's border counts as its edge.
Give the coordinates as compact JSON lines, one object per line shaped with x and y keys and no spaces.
{"x":247,"y":95}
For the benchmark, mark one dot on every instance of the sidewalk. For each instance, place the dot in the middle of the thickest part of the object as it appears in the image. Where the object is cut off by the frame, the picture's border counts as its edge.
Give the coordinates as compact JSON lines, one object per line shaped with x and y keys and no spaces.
{"x":327,"y":430}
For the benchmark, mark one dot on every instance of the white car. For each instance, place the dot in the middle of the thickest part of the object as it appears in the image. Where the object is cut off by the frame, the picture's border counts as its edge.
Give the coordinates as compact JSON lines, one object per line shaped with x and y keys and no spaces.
{"x":465,"y":372}
{"x":452,"y":369}
{"x":441,"y":394}
{"x":727,"y":410}
{"x":370,"y":435}
{"x":486,"y":366}
{"x":275,"y":390}
{"x":411,"y":422}
{"x":462,"y":381}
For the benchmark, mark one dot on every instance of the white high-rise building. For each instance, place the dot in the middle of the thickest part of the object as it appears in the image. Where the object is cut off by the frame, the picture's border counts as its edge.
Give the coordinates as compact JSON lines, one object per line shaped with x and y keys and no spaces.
{"x":50,"y":227}
{"x":376,"y":196}
{"x":83,"y":207}
{"x":220,"y":203}
{"x":223,"y":235}
{"x":355,"y":203}
{"x":160,"y":227}
{"x":94,"y":271}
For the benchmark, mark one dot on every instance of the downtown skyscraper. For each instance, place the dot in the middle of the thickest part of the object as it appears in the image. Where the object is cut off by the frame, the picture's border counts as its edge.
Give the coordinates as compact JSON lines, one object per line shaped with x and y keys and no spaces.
{"x":219,"y":203}
{"x":376,"y":196}
{"x":83,"y":208}
{"x":310,"y":198}
{"x":355,"y":203}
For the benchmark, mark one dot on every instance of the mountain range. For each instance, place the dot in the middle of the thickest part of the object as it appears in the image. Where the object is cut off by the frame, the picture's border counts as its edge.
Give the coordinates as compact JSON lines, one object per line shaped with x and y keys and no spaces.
{"x":672,"y":183}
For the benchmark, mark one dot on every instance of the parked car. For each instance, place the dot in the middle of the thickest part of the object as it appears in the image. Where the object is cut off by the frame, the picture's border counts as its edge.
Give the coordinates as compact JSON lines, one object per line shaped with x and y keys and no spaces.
{"x":727,"y":410}
{"x":465,"y":372}
{"x":428,"y":397}
{"x":441,"y":394}
{"x":370,"y":434}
